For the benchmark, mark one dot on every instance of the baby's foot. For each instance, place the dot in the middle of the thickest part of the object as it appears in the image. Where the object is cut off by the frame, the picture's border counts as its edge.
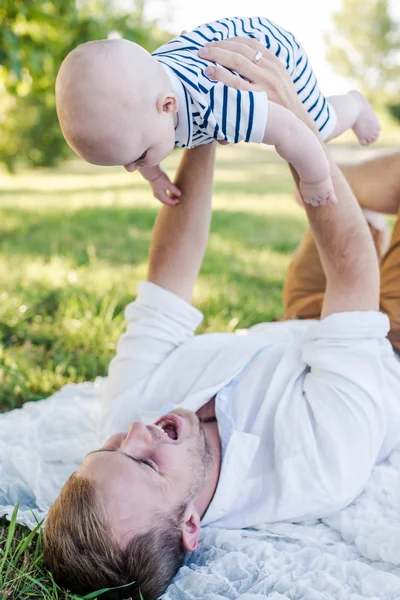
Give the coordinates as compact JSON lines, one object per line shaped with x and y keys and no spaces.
{"x":318,"y":194}
{"x":367,"y":127}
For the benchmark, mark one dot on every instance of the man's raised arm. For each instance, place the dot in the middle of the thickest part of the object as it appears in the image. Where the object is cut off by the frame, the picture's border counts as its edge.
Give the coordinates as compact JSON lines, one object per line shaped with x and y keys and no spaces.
{"x":340,"y":232}
{"x":158,"y":322}
{"x":346,"y":249}
{"x":181,"y":232}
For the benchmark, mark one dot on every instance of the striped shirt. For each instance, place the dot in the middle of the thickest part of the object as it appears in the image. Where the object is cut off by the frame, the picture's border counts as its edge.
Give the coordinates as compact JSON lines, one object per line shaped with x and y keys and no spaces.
{"x":210,"y":110}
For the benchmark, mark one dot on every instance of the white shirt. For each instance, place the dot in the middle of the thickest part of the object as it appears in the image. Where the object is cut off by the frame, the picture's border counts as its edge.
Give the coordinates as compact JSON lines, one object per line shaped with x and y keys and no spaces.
{"x":314,"y":406}
{"x":210,"y":110}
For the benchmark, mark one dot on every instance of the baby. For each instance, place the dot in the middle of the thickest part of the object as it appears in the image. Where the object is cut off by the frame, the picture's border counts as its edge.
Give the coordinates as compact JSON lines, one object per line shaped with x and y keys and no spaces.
{"x":119,"y":105}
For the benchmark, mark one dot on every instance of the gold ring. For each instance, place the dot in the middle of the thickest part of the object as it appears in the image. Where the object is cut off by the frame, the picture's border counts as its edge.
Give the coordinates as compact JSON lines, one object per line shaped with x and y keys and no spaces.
{"x":257,"y":57}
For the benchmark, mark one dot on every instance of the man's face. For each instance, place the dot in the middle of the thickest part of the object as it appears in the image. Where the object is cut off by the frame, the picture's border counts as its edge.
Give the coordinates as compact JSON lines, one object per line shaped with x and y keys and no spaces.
{"x":150,"y":469}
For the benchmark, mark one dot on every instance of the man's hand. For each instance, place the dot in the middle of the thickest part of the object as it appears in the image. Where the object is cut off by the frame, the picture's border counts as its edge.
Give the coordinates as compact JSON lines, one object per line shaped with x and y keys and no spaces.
{"x":163,"y":188}
{"x":268,"y":75}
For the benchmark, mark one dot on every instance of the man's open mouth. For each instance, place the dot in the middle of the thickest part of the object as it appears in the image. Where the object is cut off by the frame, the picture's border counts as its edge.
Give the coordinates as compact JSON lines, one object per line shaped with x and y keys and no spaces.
{"x":170,"y":426}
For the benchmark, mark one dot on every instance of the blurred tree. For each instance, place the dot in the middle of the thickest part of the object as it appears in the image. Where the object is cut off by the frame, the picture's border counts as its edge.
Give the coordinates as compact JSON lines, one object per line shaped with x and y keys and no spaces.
{"x":365,"y":47}
{"x":394,"y":110}
{"x":35,"y":36}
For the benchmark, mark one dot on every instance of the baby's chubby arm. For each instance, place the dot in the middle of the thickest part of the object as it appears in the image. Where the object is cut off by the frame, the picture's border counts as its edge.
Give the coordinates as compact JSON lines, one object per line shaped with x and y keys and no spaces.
{"x":161,"y":185}
{"x":299,"y":146}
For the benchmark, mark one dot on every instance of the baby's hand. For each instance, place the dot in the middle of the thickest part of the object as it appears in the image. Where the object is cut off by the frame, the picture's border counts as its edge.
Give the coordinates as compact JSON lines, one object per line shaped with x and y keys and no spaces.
{"x":163,"y":189}
{"x":318,"y":194}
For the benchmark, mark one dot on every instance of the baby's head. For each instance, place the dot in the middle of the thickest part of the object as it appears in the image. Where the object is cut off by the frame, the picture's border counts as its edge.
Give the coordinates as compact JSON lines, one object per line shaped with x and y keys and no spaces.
{"x":115,"y":105}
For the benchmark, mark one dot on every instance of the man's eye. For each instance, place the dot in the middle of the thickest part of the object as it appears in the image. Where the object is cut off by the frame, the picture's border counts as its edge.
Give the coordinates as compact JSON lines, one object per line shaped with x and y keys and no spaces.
{"x":150,"y":464}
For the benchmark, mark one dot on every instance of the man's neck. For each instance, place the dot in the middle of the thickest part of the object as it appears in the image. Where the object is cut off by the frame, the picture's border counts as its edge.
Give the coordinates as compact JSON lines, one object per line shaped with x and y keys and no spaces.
{"x":209,"y":424}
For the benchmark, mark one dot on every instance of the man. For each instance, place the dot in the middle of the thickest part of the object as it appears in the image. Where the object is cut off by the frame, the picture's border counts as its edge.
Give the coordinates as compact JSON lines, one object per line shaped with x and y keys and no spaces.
{"x":285,"y":422}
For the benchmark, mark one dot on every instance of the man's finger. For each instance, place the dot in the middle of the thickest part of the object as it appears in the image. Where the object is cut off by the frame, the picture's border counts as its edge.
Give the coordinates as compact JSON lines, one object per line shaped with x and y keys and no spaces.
{"x":228,"y":78}
{"x":247,"y":47}
{"x":232,"y":56}
{"x":245,"y":42}
{"x":233,"y":60}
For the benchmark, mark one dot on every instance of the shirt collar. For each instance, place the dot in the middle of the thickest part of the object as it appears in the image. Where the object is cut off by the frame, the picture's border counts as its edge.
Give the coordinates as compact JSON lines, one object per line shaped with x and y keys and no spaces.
{"x":233,"y":479}
{"x":184,"y":130}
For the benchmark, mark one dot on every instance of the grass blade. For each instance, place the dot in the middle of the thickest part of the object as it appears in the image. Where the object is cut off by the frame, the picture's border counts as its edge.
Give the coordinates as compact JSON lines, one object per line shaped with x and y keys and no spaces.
{"x":94,"y":595}
{"x":10,"y":536}
{"x":26,"y":542}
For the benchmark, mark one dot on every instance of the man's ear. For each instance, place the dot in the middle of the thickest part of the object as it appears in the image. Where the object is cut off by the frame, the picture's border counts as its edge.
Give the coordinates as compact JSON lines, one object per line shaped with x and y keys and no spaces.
{"x":191,"y":530}
{"x":168,"y":103}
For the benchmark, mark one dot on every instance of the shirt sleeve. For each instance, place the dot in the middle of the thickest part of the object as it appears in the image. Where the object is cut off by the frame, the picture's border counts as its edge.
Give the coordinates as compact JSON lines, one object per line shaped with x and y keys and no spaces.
{"x":236,"y":115}
{"x":335,"y":431}
{"x":158,"y":322}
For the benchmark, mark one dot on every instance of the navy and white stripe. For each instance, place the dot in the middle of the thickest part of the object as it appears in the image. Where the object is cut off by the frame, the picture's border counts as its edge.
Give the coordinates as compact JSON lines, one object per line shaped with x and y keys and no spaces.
{"x":213,"y":110}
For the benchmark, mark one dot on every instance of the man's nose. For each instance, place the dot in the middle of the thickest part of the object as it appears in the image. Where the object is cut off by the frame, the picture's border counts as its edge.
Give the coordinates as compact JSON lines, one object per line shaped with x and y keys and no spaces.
{"x":138,"y":434}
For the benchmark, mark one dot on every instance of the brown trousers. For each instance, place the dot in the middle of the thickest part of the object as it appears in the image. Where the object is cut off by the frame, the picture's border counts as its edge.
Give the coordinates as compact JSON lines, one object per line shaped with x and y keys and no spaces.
{"x":305,"y":284}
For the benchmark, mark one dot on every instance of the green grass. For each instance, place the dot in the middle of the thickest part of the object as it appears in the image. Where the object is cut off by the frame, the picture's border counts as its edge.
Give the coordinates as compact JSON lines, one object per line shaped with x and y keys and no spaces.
{"x":73,"y":247}
{"x":21,"y":574}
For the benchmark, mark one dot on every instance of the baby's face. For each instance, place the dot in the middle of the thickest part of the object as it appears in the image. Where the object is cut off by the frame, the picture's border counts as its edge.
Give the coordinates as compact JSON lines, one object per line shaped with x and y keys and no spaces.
{"x":153,"y":141}
{"x":132,"y":139}
{"x":133,"y":142}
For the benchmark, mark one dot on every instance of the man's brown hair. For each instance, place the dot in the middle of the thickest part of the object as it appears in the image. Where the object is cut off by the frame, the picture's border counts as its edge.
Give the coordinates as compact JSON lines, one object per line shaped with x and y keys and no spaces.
{"x":83,"y":556}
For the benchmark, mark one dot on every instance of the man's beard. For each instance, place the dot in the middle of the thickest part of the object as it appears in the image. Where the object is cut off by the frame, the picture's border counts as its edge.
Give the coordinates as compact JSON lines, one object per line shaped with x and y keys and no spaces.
{"x":201,"y":458}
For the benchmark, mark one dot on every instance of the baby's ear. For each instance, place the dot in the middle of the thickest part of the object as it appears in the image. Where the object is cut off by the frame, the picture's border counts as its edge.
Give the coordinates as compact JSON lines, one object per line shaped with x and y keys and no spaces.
{"x":168,"y":103}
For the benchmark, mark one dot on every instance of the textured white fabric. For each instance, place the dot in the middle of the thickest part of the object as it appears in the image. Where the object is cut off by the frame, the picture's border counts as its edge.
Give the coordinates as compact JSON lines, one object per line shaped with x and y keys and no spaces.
{"x":41,"y":444}
{"x":353,"y":555}
{"x":315,"y":407}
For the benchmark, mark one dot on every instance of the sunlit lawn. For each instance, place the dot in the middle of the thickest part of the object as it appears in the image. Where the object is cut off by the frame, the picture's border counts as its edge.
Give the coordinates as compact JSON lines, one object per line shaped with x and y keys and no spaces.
{"x":73,"y":247}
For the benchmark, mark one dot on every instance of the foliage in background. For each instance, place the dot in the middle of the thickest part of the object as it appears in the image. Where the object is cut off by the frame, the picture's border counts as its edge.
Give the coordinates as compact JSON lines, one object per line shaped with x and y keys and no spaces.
{"x":394,"y":110}
{"x":365,"y":47}
{"x":35,"y":36}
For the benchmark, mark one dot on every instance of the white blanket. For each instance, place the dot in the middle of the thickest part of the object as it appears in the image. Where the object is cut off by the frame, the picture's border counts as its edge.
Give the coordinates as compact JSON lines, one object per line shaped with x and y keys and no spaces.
{"x":352,"y":555}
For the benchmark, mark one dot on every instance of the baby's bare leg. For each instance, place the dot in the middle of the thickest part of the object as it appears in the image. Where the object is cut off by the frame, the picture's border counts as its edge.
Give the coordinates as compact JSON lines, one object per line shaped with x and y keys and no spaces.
{"x":355,"y":112}
{"x":298,"y":145}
